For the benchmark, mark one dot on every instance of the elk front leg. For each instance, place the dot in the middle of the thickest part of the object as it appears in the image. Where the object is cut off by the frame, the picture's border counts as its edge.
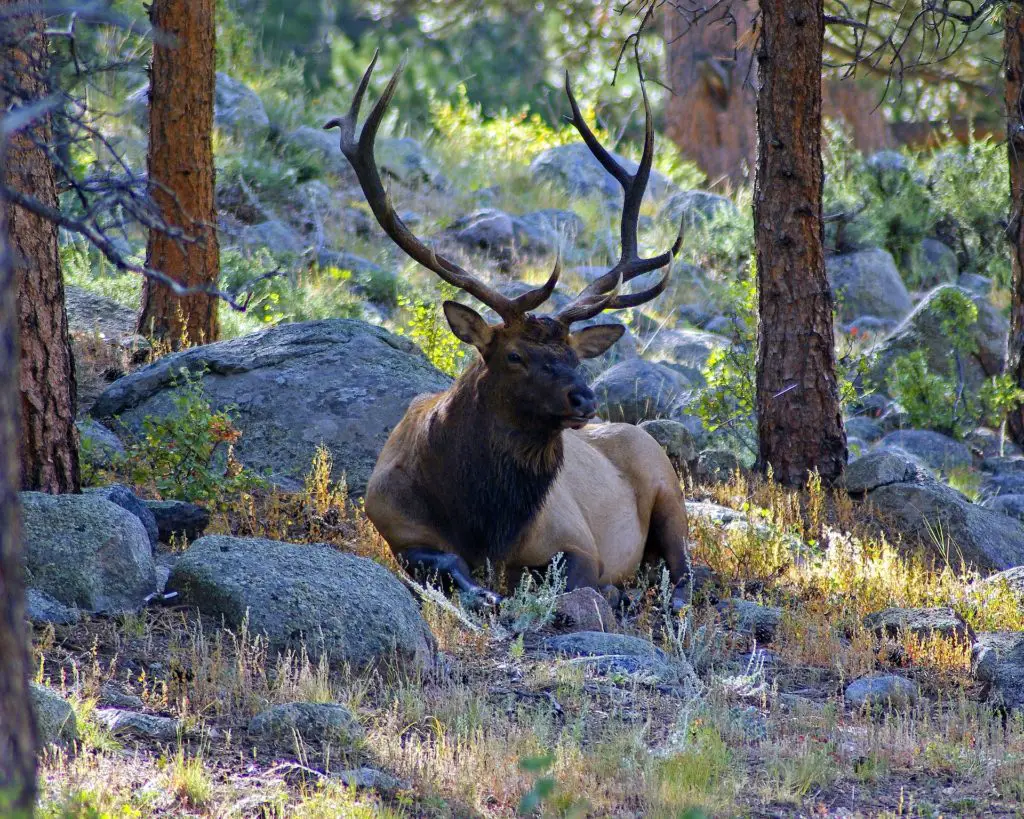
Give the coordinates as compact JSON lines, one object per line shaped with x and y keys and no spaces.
{"x":453,"y":568}
{"x":583,"y":571}
{"x":668,"y":539}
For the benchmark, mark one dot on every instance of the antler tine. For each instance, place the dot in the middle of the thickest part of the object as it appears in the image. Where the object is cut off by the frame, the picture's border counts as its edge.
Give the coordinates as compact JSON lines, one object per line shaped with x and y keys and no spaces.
{"x":359,"y":153}
{"x":532,"y":299}
{"x":630,"y":264}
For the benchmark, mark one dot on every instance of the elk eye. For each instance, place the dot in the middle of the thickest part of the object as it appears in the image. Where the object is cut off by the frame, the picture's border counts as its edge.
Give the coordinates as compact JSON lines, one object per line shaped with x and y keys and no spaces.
{"x":515,"y":358}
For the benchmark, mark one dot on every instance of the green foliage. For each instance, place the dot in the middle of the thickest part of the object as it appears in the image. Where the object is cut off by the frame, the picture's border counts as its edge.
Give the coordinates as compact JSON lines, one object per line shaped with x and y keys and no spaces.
{"x":427,"y":328}
{"x":728,"y":400}
{"x":929,"y":399}
{"x":543,"y":786}
{"x":968,"y":188}
{"x":301,"y":296}
{"x":940,"y":401}
{"x":186,"y":454}
{"x":533,"y":604}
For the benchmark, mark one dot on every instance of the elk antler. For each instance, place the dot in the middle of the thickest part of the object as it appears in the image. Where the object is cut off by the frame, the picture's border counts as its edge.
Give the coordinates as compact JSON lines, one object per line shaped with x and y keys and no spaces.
{"x":359,"y":152}
{"x":603,"y":294}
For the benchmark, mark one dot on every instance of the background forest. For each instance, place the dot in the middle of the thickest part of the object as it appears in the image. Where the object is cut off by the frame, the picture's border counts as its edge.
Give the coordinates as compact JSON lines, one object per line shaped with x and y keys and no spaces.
{"x":216,"y":628}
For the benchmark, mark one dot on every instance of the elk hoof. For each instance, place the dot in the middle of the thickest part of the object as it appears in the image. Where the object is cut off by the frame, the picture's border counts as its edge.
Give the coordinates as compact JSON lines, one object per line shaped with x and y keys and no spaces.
{"x":481,"y":599}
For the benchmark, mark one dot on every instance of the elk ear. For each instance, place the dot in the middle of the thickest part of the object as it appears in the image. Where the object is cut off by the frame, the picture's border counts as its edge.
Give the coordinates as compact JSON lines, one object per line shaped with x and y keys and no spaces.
{"x":468,"y":325}
{"x":591,"y":342}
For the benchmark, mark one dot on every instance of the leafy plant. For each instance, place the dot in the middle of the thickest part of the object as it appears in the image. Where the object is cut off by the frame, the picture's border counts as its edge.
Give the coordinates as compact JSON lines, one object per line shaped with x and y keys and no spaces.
{"x":427,"y":328}
{"x":187,"y":453}
{"x":940,"y":401}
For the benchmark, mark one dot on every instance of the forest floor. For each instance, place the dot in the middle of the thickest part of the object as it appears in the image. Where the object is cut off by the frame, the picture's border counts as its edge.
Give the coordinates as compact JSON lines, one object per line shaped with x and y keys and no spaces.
{"x":502,"y":727}
{"x":500,"y":719}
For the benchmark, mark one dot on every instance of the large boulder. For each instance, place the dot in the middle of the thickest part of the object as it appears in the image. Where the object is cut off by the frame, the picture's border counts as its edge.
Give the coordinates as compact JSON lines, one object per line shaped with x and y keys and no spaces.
{"x":237,"y":108}
{"x":696,"y":207}
{"x":313,"y":723}
{"x":922,"y":330}
{"x":925,"y":510}
{"x":340,"y":383}
{"x":930,"y":263}
{"x":575,"y":170}
{"x":636,"y":390}
{"x":405,"y":160}
{"x":84,"y":551}
{"x":323,"y":147}
{"x":867,"y":283}
{"x":687,"y":351}
{"x":938,"y":451}
{"x":347,"y":608}
{"x":90,"y":312}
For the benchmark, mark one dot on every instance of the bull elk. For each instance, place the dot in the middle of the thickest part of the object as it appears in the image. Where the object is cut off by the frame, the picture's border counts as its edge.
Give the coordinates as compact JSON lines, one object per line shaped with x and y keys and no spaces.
{"x":502,"y":466}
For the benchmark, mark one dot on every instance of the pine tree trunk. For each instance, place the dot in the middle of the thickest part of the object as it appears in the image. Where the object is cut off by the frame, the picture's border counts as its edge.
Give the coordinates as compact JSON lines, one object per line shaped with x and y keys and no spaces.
{"x":17,"y":726}
{"x":710,"y":114}
{"x":799,"y":422}
{"x":181,"y":168}
{"x":48,"y":445}
{"x":1013,"y":52}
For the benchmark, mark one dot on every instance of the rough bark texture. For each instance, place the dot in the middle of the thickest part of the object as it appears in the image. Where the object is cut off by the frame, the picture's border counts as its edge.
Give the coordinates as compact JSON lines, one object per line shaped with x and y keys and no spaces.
{"x":17,"y":727}
{"x":799,"y":423}
{"x":48,"y":445}
{"x":1013,"y":52}
{"x":181,"y":166}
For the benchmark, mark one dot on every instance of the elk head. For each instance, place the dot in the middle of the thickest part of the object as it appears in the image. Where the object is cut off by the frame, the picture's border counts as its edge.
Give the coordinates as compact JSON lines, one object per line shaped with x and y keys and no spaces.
{"x":530,"y":363}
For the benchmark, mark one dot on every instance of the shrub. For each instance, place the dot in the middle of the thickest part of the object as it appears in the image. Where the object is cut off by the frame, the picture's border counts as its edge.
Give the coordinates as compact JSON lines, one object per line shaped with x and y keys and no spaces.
{"x":187,"y":454}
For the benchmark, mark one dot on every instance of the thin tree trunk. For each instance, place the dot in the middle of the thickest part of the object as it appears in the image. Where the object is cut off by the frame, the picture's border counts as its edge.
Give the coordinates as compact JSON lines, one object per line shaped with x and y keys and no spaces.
{"x":17,"y":725}
{"x":1013,"y":53}
{"x":48,"y":445}
{"x":800,"y":426}
{"x":181,"y":168}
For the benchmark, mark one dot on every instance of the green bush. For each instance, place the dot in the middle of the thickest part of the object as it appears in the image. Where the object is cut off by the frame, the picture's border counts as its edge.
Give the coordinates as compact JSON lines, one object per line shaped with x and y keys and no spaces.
{"x":940,"y":401}
{"x":187,"y":454}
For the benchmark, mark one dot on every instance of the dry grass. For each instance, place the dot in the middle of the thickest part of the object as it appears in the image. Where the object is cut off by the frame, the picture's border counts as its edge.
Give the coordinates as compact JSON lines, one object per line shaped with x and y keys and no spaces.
{"x":506,"y":722}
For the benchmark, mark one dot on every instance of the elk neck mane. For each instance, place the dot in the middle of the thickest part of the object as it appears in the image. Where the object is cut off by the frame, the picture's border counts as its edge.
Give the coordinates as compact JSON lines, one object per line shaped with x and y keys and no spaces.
{"x":495,"y":475}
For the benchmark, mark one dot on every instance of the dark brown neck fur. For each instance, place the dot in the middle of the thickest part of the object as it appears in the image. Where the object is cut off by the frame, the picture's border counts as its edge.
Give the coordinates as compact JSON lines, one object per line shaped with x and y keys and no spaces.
{"x":492,"y":476}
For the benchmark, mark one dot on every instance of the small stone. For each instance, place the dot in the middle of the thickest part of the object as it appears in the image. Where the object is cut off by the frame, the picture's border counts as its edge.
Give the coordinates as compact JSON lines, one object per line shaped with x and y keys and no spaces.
{"x":55,"y":718}
{"x":883,"y":690}
{"x":370,"y":779}
{"x":113,"y":697}
{"x":752,"y":619}
{"x":584,"y":610}
{"x":717,"y":466}
{"x":922,"y":622}
{"x":122,"y":723}
{"x":41,"y":608}
{"x":314,"y":722}
{"x":675,"y":438}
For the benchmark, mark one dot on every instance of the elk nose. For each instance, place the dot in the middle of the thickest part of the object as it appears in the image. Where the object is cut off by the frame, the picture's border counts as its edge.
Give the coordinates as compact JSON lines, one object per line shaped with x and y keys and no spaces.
{"x":582,"y":401}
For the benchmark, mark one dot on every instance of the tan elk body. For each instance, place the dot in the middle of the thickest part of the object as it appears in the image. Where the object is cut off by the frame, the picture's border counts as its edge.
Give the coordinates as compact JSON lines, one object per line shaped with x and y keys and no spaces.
{"x":502,"y":467}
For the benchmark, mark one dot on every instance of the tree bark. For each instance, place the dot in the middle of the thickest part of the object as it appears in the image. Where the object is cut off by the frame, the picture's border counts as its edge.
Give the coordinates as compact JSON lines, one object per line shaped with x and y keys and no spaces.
{"x":710,"y":113}
{"x":17,"y":724}
{"x":1013,"y":54}
{"x":182,"y":173}
{"x":800,"y":426}
{"x":48,"y":444}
